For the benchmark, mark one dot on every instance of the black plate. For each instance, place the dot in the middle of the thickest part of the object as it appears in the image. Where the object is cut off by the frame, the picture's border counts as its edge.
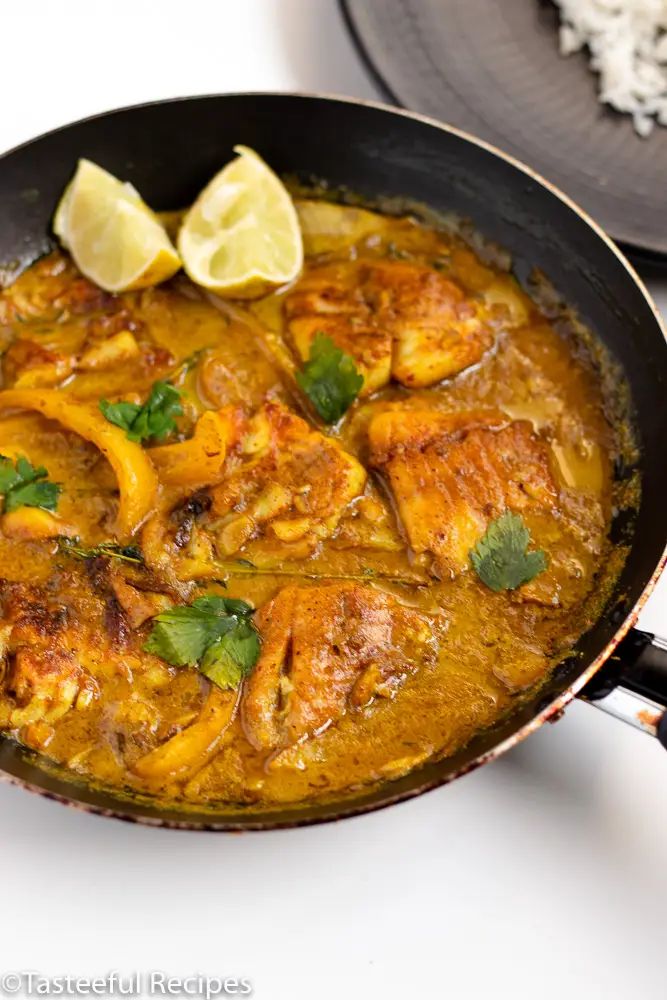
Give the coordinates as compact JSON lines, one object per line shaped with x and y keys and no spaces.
{"x":492,"y":67}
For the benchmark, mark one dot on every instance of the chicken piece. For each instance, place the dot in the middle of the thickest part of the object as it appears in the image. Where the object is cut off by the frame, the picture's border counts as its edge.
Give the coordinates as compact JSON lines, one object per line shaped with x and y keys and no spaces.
{"x":30,"y":363}
{"x":451,"y":474}
{"x":139,"y":605}
{"x":45,"y":684}
{"x":286,"y":481}
{"x":393,"y":317}
{"x":370,"y":524}
{"x":438,"y":332}
{"x":44,"y":676}
{"x":324,"y":649}
{"x":27,"y":364}
{"x":118,"y":349}
{"x":330,"y":300}
{"x":50,"y":288}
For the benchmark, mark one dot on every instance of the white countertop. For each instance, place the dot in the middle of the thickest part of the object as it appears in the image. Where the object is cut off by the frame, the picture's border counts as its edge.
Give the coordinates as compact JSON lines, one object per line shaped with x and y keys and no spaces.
{"x":541,"y":875}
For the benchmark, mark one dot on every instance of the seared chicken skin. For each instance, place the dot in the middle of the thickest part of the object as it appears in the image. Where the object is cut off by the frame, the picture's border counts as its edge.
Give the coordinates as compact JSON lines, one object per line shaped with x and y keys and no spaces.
{"x":42,"y":672}
{"x":451,"y":474}
{"x":286,"y":481}
{"x":281,"y":489}
{"x":394,"y":318}
{"x":324,"y":649}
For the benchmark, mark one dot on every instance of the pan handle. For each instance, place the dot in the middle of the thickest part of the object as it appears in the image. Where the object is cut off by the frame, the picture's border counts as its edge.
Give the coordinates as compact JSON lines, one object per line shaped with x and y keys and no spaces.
{"x":632,"y":685}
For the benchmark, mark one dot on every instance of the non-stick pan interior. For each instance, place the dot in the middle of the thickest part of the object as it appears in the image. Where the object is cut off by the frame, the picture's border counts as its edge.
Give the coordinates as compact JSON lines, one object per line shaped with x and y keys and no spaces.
{"x":170,"y":150}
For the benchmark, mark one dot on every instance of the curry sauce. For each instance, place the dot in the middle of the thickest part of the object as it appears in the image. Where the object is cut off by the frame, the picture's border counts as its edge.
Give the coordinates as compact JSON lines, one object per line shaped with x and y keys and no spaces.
{"x":381,"y":646}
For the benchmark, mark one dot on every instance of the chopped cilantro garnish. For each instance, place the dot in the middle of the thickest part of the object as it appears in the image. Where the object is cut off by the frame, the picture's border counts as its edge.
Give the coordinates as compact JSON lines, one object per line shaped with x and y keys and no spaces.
{"x":213,"y":633}
{"x":501,"y":558}
{"x":329,"y":379}
{"x":152,"y":419}
{"x":23,"y":485}
{"x":229,"y":659}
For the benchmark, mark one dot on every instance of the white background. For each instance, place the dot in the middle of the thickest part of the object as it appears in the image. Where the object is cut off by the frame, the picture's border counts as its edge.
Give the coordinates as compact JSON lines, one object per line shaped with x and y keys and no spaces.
{"x":542,"y":875}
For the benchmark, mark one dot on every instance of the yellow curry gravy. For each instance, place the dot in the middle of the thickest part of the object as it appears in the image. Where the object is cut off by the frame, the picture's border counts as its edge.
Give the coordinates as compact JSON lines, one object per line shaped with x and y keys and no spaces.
{"x":484,"y":651}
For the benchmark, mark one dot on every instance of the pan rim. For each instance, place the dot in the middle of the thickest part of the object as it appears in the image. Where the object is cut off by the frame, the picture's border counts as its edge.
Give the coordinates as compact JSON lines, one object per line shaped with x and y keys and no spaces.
{"x":345,"y":809}
{"x":391,"y":109}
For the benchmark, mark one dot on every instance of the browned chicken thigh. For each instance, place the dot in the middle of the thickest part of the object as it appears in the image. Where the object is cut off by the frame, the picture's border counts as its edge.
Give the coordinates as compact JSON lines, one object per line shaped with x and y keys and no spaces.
{"x":326,"y":648}
{"x":43,"y":673}
{"x":285,"y":480}
{"x":393,"y":317}
{"x":451,"y":474}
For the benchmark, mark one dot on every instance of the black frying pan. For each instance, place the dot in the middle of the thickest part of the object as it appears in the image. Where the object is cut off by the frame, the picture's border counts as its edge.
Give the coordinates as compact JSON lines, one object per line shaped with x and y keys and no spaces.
{"x":169,"y":150}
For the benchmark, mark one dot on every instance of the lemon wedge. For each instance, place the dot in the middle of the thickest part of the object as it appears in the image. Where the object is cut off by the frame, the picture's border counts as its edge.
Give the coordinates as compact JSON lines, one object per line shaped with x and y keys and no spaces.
{"x":113,"y":236}
{"x":242,"y":237}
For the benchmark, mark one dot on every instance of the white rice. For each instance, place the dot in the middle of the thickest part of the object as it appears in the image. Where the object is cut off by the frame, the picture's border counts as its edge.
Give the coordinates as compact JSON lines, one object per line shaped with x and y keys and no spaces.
{"x":627,"y":40}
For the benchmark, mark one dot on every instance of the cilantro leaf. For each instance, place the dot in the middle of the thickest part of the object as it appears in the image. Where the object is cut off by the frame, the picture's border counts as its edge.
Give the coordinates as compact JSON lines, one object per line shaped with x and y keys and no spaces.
{"x":122,"y":414}
{"x":181,"y":635}
{"x":42,"y":494}
{"x":214,"y":633}
{"x":501,"y":558}
{"x":153,"y":419}
{"x":224,"y":606}
{"x":8,"y":475}
{"x":25,"y":485}
{"x":231,"y":658}
{"x":329,"y":379}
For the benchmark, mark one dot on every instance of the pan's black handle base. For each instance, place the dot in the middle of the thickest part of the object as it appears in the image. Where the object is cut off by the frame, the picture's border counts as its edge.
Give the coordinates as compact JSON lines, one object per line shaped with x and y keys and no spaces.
{"x":661,"y":730}
{"x":639,"y":662}
{"x":632,"y":685}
